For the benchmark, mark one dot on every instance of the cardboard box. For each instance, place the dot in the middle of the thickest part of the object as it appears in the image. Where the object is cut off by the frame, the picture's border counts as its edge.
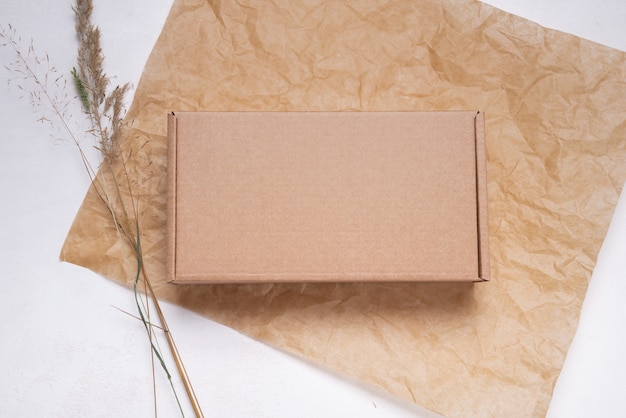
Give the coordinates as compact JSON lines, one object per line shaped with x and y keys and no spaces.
{"x":326,"y":196}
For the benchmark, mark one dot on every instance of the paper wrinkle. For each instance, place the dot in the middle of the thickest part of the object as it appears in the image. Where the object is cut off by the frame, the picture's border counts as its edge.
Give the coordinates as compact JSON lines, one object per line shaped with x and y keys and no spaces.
{"x":555,"y":109}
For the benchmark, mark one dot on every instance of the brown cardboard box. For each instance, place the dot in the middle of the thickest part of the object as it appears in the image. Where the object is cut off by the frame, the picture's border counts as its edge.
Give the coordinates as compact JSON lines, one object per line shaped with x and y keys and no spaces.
{"x":326,"y":196}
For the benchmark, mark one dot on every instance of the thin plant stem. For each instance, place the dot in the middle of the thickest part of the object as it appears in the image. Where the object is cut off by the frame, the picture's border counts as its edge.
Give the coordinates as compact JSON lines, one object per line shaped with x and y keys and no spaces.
{"x":135,"y":316}
{"x":177,"y":358}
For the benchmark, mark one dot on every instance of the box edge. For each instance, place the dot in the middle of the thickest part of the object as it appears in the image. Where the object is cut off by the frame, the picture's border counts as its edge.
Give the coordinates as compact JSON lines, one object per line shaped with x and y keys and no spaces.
{"x":172,"y":130}
{"x":484,"y":268}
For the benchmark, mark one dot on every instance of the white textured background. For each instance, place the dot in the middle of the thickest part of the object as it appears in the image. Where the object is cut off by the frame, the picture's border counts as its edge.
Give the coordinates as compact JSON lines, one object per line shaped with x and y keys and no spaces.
{"x":65,"y":351}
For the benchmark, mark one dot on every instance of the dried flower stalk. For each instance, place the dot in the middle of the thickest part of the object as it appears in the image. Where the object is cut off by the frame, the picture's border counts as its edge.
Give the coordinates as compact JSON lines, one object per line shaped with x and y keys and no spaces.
{"x":105,"y":113}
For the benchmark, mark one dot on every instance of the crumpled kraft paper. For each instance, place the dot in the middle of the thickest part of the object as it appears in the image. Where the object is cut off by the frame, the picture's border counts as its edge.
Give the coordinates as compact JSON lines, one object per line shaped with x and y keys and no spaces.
{"x":555,"y":110}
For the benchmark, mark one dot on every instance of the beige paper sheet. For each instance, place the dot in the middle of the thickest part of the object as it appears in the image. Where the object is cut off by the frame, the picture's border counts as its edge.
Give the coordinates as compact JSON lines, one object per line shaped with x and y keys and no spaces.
{"x":555,"y":110}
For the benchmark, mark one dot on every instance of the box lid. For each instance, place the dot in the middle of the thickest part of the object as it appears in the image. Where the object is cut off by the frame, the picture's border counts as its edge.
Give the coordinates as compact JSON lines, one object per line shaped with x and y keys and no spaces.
{"x":326,"y":196}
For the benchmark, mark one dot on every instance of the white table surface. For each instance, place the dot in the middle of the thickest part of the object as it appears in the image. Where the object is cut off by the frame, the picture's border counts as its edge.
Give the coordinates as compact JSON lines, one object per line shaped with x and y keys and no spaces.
{"x":65,"y":351}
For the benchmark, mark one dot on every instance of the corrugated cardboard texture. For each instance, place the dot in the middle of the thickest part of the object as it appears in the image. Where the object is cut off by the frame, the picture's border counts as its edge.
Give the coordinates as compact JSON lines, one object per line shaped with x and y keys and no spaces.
{"x":556,"y":152}
{"x":324,"y":196}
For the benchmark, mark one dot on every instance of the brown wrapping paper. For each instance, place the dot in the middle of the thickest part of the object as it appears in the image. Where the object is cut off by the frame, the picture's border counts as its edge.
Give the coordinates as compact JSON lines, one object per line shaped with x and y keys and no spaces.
{"x":555,"y":110}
